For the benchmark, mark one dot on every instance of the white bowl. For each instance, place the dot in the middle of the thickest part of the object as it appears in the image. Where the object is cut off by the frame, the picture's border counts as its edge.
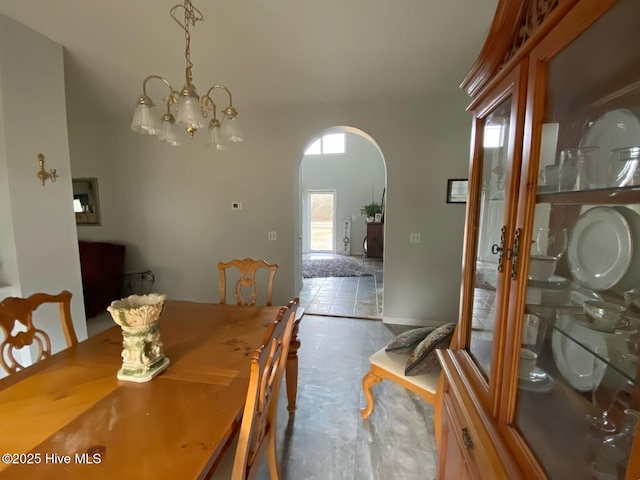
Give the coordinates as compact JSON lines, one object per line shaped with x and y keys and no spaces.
{"x":542,"y":267}
{"x":605,"y":316}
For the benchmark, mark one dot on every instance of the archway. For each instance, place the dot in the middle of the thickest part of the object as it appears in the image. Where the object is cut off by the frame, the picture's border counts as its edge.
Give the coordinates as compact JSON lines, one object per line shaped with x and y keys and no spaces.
{"x":344,"y":165}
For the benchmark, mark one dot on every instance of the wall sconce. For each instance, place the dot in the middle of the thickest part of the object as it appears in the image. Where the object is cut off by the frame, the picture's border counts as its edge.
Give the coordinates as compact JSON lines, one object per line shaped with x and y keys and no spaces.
{"x":42,"y":175}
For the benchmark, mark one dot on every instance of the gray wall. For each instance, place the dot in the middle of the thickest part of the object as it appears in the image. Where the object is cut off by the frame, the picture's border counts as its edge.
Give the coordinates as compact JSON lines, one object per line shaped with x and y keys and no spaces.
{"x":38,"y":239}
{"x":172,"y":207}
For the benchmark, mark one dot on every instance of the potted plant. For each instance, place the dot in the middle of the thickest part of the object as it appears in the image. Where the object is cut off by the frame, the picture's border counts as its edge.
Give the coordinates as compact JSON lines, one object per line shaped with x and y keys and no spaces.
{"x":370,"y":210}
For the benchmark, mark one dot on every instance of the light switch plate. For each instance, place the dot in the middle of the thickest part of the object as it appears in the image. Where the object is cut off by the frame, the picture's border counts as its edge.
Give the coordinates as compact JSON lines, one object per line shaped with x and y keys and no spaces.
{"x":414,"y":238}
{"x":236,"y":205}
{"x":272,"y":235}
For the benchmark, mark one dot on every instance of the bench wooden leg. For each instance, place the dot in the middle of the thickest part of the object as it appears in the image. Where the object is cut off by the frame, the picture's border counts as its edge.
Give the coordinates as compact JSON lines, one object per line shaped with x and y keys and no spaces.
{"x":368,"y":381}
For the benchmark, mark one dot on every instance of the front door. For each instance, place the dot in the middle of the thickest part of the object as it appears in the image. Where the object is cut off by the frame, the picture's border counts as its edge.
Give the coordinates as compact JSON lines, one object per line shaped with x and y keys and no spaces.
{"x":321,"y":204}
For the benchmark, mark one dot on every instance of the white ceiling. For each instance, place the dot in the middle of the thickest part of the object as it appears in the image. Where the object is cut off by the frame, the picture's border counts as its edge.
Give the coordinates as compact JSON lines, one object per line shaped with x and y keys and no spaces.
{"x":267,"y":53}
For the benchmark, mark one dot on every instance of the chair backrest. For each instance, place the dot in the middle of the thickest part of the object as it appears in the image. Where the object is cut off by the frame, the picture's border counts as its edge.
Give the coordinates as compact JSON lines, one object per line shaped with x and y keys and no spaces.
{"x":247,"y":283}
{"x":257,"y":431}
{"x":14,"y":310}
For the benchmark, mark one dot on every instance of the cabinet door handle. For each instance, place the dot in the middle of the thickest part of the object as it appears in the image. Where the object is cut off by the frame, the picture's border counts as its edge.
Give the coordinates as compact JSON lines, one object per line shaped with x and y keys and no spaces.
{"x":514,"y":254}
{"x":466,"y":437}
{"x":498,"y":249}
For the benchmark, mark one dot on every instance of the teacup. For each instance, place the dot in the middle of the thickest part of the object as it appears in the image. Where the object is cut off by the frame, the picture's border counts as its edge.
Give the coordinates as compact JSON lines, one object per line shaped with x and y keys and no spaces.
{"x":528,"y":360}
{"x":541,"y":267}
{"x":604,"y":316}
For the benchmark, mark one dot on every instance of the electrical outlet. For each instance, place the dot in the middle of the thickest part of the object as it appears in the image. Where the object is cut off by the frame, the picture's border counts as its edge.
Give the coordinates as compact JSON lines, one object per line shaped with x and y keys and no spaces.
{"x":236,"y":205}
{"x":414,"y":238}
{"x":272,"y":235}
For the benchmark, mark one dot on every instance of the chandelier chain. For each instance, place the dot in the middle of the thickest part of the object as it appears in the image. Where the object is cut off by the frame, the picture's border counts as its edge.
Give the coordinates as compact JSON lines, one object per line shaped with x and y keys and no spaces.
{"x":191,"y":16}
{"x":188,"y":15}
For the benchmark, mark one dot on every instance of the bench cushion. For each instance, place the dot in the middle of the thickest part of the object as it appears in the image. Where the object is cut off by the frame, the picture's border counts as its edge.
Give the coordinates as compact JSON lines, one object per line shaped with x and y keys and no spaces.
{"x":395,"y":364}
{"x":424,"y":359}
{"x":407,"y":341}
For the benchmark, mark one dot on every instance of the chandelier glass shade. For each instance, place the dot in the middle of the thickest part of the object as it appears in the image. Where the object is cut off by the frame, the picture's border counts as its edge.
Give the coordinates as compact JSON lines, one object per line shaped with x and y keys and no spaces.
{"x":191,"y":110}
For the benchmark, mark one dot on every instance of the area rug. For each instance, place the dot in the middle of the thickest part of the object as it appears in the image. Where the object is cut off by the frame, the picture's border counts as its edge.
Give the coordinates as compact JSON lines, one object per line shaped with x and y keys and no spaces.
{"x":333,"y":267}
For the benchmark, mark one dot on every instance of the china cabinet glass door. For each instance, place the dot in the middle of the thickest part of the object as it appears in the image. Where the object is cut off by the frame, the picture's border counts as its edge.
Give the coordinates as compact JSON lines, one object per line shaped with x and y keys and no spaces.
{"x":578,"y":335}
{"x":491,"y":208}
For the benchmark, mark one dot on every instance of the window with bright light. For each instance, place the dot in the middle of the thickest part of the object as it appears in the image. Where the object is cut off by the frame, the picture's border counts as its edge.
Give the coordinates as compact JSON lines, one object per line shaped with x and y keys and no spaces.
{"x":327,"y":144}
{"x":493,"y":136}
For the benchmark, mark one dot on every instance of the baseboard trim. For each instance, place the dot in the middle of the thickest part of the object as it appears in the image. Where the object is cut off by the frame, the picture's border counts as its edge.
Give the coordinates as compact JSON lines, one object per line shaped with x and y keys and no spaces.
{"x":416,"y":322}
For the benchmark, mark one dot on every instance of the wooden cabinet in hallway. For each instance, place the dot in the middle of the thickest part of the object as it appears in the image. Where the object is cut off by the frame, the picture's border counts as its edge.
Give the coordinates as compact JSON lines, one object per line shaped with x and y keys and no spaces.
{"x":375,"y":239}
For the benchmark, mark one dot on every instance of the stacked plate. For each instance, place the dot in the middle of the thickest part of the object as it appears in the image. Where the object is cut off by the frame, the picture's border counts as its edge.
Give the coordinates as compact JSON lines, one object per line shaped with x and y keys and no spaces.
{"x":603,"y":251}
{"x":615,"y":129}
{"x":574,"y":361}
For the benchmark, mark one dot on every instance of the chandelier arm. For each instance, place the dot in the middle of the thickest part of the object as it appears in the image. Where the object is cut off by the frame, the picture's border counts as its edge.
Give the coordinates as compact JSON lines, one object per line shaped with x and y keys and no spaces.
{"x":170,"y":99}
{"x":207,"y":103}
{"x":225,"y":89}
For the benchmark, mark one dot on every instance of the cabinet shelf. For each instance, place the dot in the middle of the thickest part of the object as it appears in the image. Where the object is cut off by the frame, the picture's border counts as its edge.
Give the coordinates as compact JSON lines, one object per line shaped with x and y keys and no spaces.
{"x":623,"y":362}
{"x":601,"y":196}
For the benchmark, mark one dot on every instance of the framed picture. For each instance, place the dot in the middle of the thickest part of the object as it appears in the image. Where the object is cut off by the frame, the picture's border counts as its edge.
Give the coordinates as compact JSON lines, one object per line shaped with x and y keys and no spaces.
{"x":378,"y":217}
{"x":457,"y":190}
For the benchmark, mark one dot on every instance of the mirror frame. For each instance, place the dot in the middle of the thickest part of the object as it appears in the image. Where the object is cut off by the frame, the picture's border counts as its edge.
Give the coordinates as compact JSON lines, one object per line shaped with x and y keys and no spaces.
{"x":92,"y":216}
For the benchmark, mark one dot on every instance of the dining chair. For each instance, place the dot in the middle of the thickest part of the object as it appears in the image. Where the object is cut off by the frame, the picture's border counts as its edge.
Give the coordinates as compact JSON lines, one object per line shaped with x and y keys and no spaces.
{"x":257,"y":434}
{"x":247,"y":283}
{"x":19,"y":311}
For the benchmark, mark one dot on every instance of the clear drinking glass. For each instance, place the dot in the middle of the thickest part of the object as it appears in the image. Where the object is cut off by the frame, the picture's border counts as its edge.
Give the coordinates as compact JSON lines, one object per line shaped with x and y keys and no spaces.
{"x":579,"y":169}
{"x":624,"y":167}
{"x":612,"y":452}
{"x":533,"y":335}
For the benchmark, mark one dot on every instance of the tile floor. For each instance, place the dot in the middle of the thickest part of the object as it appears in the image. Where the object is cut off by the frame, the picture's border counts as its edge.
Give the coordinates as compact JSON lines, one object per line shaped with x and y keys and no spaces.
{"x":345,"y":296}
{"x":327,"y":439}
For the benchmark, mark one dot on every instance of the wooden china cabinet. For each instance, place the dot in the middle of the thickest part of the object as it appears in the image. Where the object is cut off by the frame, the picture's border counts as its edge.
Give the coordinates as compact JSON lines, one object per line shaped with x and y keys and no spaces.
{"x":535,"y":388}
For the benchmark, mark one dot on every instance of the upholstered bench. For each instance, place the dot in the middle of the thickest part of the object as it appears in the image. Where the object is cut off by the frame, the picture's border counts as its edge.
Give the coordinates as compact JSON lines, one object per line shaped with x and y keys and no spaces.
{"x":391,"y":366}
{"x":416,"y":356}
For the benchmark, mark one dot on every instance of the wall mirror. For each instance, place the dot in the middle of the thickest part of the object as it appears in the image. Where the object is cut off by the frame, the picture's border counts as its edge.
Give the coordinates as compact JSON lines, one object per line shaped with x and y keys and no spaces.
{"x":86,"y":202}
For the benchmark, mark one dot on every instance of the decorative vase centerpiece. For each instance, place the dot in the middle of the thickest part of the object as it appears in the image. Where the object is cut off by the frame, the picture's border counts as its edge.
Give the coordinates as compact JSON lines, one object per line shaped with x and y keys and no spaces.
{"x":142,"y":355}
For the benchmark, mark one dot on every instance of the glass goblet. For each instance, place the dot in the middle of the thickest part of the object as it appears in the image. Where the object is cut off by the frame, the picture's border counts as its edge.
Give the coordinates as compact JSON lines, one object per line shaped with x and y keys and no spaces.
{"x":551,"y":242}
{"x":605,"y":390}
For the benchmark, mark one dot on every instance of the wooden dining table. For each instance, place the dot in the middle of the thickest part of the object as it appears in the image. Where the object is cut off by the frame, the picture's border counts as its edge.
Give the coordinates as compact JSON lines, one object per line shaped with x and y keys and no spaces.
{"x":69,"y":417}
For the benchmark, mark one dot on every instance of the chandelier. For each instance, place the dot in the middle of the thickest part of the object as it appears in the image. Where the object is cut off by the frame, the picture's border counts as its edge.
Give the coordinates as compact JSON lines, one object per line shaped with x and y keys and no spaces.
{"x":191,"y":109}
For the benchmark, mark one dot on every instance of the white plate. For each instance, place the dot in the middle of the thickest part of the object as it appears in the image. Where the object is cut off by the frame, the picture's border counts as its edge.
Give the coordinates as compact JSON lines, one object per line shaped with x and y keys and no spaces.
{"x":615,"y":129}
{"x":574,"y":362}
{"x":632,"y":278}
{"x":600,"y":248}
